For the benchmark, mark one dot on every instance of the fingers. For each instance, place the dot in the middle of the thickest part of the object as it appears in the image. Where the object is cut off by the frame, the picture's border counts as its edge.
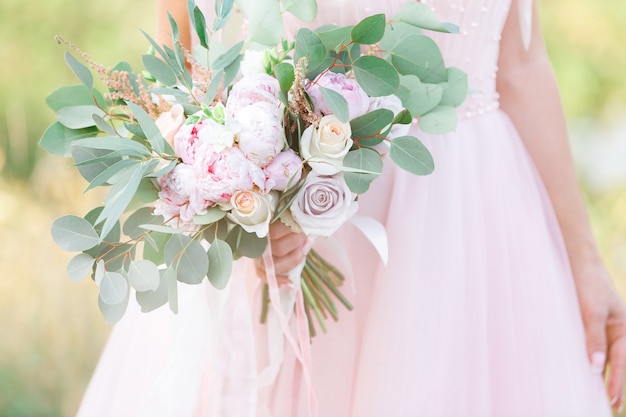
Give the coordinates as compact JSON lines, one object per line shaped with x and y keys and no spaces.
{"x":595,"y":330}
{"x":260,"y":271}
{"x":617,"y":360}
{"x":287,"y":244}
{"x":279,"y":230}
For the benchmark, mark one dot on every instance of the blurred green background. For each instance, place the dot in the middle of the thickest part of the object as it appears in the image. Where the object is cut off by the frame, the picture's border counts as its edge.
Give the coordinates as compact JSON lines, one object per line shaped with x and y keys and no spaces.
{"x":51,"y":332}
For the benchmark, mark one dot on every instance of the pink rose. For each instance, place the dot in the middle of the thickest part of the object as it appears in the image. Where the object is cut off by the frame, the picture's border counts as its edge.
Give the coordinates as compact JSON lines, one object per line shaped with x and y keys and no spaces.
{"x":253,"y":211}
{"x":324,"y":147}
{"x":173,"y":202}
{"x":218,"y":175}
{"x":284,"y":170}
{"x":323,"y":204}
{"x":262,"y":136}
{"x":252,"y":89}
{"x":170,"y":122}
{"x":358,"y":100}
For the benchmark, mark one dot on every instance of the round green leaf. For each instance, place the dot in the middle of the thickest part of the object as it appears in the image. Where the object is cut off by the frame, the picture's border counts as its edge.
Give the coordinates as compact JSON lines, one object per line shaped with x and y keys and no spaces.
{"x":285,"y":74}
{"x":440,"y":120}
{"x":411,"y":155}
{"x":419,"y":55}
{"x":113,"y":312}
{"x":370,"y":30}
{"x":418,"y":97}
{"x":246,"y":244}
{"x":159,"y":69}
{"x":455,"y":90}
{"x":220,"y":263}
{"x":113,"y":288}
{"x":362,"y":159}
{"x":188,"y":258}
{"x":309,"y":45}
{"x":151,"y":300}
{"x":212,"y":215}
{"x":139,"y":218}
{"x":376,"y":76}
{"x":370,"y":124}
{"x":80,"y":266}
{"x":143,"y":276}
{"x":420,"y":15}
{"x":337,"y":103}
{"x":78,"y":117}
{"x":74,"y":234}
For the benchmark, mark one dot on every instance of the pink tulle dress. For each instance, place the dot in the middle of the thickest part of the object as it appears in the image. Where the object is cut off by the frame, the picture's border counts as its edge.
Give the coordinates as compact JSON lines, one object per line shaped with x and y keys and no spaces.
{"x":474,"y":315}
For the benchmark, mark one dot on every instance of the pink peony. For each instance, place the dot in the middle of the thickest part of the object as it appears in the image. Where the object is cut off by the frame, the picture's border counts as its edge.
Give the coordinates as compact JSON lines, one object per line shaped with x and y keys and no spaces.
{"x":186,"y":141}
{"x":252,"y":89}
{"x":173,"y":202}
{"x":358,"y":100}
{"x":261,"y":137}
{"x":217,"y":175}
{"x":284,"y":170}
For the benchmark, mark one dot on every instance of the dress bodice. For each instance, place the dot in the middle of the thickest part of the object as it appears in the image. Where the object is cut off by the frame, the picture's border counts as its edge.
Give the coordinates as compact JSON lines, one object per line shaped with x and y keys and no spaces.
{"x":474,"y":50}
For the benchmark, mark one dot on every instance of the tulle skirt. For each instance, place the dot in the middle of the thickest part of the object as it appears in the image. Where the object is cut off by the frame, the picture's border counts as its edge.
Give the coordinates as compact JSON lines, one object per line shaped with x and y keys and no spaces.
{"x":474,"y":315}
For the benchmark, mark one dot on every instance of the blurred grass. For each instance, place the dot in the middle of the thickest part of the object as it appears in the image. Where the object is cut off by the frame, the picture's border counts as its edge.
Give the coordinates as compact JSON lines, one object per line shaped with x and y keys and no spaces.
{"x":52,"y":333}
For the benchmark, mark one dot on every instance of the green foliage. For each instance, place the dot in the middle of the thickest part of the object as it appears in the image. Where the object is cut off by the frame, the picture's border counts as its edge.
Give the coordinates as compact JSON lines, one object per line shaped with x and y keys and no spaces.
{"x":220,"y":258}
{"x":337,"y":104}
{"x":362,"y":159}
{"x":411,"y":155}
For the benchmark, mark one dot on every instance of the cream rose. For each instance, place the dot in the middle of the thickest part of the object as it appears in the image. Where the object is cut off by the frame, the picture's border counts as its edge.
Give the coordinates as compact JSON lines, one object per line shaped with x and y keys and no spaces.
{"x":323,"y":204}
{"x":325,"y":147}
{"x":253,"y":211}
{"x":170,"y":122}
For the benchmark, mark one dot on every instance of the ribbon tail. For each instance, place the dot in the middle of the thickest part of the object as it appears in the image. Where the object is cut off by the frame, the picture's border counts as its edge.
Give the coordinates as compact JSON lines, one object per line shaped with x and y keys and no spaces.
{"x":375,"y":232}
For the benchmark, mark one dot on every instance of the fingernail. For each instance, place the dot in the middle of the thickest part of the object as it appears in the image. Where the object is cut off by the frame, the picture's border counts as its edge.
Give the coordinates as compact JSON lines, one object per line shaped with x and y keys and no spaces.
{"x":597,"y":362}
{"x":614,"y":400}
{"x":620,"y":409}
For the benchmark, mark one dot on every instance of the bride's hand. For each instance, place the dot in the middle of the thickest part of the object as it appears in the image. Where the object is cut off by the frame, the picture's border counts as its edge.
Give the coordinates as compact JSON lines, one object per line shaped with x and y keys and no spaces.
{"x":604,"y":316}
{"x":287,"y":252}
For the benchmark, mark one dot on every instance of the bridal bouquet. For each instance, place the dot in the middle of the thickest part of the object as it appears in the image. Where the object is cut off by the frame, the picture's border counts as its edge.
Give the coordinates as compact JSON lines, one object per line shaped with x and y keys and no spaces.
{"x":200,"y":158}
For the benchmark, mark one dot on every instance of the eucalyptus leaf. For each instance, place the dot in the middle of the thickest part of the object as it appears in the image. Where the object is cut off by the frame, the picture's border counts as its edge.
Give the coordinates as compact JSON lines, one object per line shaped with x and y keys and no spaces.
{"x":80,"y":266}
{"x":212,"y":215}
{"x":420,"y":15}
{"x":172,"y":288}
{"x":265,"y":21}
{"x":113,"y":313}
{"x":74,"y":234}
{"x":419,"y":55}
{"x":150,"y":129}
{"x":362,"y":159}
{"x":159,"y":69}
{"x":78,"y":117}
{"x":113,"y":143}
{"x":57,"y":139}
{"x":143,"y":276}
{"x":103,"y":125}
{"x":162,"y":229}
{"x":114,"y":169}
{"x":151,"y":300}
{"x":82,"y":72}
{"x":246,"y":244}
{"x":113,"y":288}
{"x":147,"y":191}
{"x":285,"y":74}
{"x":220,"y":263}
{"x":113,"y":257}
{"x":455,"y":89}
{"x":304,"y":10}
{"x":440,"y":120}
{"x":223,"y":9}
{"x":73,"y":95}
{"x":217,"y":230}
{"x":140,"y":217}
{"x":113,"y":236}
{"x":91,"y":171}
{"x":337,"y":103}
{"x":199,"y":23}
{"x":418,"y":97}
{"x":215,"y":84}
{"x":376,"y":76}
{"x":369,"y":30}
{"x":336,"y":37}
{"x":156,"y":255}
{"x":370,"y":124}
{"x":188,"y":258}
{"x":227,"y":57}
{"x":310,"y":46}
{"x":410,"y":154}
{"x":119,"y":197}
